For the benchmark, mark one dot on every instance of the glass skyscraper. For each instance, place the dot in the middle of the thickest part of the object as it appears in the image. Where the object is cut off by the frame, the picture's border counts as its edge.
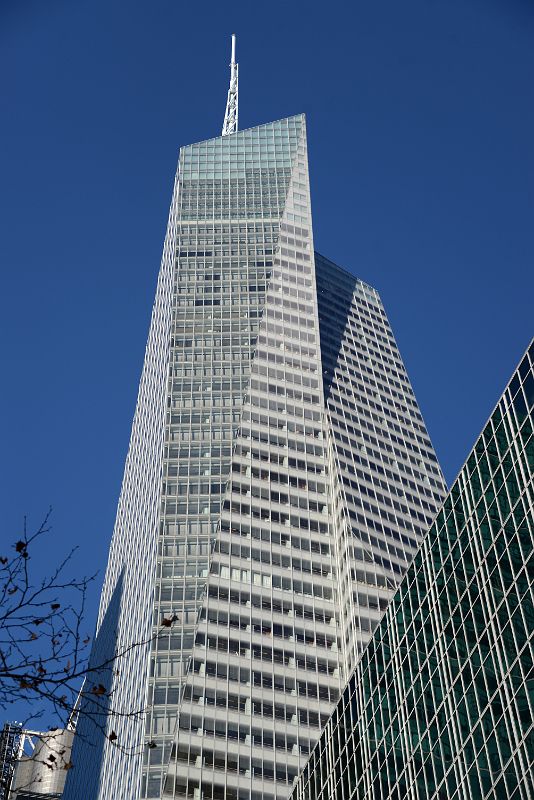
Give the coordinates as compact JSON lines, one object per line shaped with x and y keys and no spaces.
{"x":441,"y":704}
{"x":278,"y":482}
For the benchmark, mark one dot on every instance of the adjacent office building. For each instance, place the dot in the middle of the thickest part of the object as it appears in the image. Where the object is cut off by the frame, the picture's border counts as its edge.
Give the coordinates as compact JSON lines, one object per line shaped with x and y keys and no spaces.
{"x":441,"y":705}
{"x":278,"y":482}
{"x":33,"y":764}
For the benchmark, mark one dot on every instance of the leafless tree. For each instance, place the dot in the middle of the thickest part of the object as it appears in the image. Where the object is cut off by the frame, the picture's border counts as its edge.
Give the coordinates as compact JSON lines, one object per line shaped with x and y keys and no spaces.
{"x":44,"y":645}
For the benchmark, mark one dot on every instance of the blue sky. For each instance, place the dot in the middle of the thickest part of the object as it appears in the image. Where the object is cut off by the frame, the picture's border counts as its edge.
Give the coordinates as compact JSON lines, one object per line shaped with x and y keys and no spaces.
{"x":420,"y":124}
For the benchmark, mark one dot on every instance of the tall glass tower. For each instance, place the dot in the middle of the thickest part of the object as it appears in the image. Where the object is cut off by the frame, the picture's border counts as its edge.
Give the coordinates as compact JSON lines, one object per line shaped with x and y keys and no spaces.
{"x":278,"y":482}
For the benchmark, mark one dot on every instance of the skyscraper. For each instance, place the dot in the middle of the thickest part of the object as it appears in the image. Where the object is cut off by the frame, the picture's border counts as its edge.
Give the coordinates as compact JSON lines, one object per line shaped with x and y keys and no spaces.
{"x":278,"y":481}
{"x":441,"y":704}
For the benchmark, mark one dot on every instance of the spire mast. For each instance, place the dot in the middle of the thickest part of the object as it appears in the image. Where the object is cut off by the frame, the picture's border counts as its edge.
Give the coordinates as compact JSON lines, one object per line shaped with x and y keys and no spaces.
{"x":230,"y":117}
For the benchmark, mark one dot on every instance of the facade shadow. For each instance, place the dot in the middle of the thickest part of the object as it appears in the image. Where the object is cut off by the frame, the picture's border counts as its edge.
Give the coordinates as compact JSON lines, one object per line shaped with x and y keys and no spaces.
{"x":83,"y":779}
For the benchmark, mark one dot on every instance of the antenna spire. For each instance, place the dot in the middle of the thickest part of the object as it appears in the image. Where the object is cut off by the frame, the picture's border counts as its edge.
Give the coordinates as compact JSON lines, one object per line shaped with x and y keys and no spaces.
{"x":230,"y":117}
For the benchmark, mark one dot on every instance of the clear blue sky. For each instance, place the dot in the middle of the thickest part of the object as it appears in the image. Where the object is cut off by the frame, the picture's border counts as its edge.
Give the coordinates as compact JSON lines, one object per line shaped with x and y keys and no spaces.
{"x":421,"y":131}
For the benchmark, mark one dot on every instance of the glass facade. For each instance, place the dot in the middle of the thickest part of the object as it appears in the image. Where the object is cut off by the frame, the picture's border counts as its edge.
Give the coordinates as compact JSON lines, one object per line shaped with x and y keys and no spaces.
{"x":441,"y":704}
{"x":278,"y":483}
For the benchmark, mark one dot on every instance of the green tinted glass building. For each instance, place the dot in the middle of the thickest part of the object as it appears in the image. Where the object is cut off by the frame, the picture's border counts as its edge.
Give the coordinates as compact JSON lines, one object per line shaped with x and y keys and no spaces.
{"x":441,"y":703}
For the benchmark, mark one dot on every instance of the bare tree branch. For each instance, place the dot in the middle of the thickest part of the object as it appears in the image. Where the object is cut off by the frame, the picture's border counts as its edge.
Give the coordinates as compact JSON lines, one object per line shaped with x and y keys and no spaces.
{"x":44,"y":649}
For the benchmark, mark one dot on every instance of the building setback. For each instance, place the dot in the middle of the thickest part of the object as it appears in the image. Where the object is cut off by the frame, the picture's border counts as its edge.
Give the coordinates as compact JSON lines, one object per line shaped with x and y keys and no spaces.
{"x":441,"y":703}
{"x":278,"y":482}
